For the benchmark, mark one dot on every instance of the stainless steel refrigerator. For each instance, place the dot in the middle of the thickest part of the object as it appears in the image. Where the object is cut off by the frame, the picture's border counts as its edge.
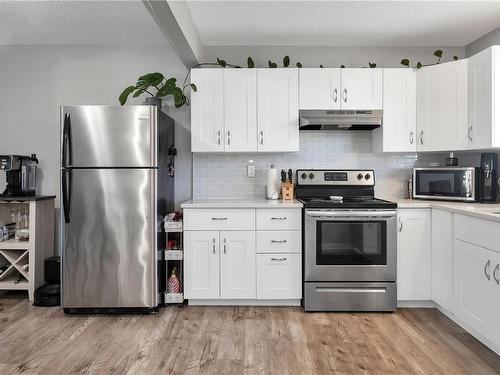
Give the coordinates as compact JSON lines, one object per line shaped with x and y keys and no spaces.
{"x":117,"y":184}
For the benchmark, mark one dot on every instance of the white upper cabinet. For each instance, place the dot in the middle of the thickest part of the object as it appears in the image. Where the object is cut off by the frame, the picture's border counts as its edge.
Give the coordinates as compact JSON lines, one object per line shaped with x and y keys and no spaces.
{"x":207,"y":111}
{"x":245,"y":110}
{"x":361,"y":88}
{"x":414,"y":254}
{"x":319,"y":88}
{"x":442,"y":115}
{"x":240,"y":109}
{"x":399,"y":128}
{"x":277,"y":109}
{"x":484,"y":125}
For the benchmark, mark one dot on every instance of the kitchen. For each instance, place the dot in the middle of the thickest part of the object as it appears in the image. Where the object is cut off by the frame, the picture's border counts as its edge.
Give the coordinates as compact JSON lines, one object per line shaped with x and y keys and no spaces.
{"x":249,"y":266}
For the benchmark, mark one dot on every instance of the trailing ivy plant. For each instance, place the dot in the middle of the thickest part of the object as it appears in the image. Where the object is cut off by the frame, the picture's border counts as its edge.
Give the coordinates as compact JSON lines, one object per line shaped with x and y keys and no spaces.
{"x":158,"y":86}
{"x":438,"y":53}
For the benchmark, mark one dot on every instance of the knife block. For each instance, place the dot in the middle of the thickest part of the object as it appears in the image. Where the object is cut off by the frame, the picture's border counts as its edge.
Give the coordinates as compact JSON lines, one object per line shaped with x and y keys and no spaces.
{"x":287,"y":190}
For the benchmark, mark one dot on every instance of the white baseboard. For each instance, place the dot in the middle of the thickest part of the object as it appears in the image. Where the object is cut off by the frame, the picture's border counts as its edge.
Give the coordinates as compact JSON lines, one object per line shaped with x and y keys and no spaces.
{"x":417,"y":304}
{"x":244,"y":302}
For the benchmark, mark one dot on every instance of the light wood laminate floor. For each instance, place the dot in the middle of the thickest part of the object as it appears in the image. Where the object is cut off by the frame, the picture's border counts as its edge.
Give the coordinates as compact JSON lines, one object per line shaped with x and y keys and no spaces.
{"x":236,"y":340}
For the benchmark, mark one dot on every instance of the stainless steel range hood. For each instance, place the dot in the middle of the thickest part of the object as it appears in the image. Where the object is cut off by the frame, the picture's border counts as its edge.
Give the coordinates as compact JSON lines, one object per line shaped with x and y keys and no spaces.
{"x":315,"y":119}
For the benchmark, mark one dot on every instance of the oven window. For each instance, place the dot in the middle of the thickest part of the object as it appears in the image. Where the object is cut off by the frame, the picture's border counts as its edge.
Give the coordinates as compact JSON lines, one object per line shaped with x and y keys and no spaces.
{"x":447,"y":183}
{"x":351,"y":242}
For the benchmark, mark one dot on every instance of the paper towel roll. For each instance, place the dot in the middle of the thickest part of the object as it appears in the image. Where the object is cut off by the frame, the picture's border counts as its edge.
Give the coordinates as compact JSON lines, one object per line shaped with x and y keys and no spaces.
{"x":272,"y":188}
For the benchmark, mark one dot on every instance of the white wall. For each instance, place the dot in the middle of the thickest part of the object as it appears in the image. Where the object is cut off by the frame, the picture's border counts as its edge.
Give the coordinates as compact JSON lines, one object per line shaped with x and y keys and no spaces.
{"x":36,"y":80}
{"x":353,"y":57}
{"x":490,"y":39}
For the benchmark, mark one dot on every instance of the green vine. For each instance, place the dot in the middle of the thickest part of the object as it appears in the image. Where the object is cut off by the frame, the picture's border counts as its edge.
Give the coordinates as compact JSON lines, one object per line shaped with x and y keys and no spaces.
{"x":158,"y":86}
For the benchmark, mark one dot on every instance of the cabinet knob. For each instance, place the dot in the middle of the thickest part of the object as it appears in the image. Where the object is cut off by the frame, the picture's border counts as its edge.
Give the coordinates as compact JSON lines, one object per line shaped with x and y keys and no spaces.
{"x":335,"y":95}
{"x":345,"y":95}
{"x":495,"y":273}
{"x":487,"y":270}
{"x":412,"y":138}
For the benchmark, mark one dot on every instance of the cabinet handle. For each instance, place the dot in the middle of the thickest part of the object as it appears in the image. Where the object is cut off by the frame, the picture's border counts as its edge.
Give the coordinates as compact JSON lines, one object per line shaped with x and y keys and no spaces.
{"x":487,"y":273}
{"x":278,"y":218}
{"x":495,"y":272}
{"x":412,"y":138}
{"x":422,"y":137}
{"x":278,"y":241}
{"x":224,"y":246}
{"x":219,"y":218}
{"x":262,"y":137}
{"x":218,"y":137}
{"x":468,"y":133}
{"x":400,"y":225}
{"x":228,"y":137}
{"x":345,"y":95}
{"x":279,"y":259}
{"x":213,"y":245}
{"x":335,"y":95}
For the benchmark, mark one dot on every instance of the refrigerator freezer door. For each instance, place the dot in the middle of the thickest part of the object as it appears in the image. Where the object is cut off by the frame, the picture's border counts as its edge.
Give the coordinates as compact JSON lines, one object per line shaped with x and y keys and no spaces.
{"x":109,"y":239}
{"x":108,"y":136}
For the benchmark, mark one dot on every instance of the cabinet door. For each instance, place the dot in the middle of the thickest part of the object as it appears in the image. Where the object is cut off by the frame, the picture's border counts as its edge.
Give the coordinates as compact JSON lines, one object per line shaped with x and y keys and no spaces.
{"x":207,"y":115}
{"x":474,"y":287}
{"x":400,"y":117}
{"x":240,"y":110}
{"x":278,"y":110}
{"x":414,"y":255}
{"x":442,"y":104}
{"x":495,"y":274}
{"x":319,"y":88}
{"x":481,"y":89}
{"x":361,"y":88}
{"x":279,"y":276}
{"x":237,"y":264}
{"x":201,"y":251}
{"x":442,"y":258}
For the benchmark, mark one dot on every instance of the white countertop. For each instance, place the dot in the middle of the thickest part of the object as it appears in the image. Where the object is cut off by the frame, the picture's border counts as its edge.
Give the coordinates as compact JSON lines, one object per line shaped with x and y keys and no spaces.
{"x":480,"y":210}
{"x":241,"y":203}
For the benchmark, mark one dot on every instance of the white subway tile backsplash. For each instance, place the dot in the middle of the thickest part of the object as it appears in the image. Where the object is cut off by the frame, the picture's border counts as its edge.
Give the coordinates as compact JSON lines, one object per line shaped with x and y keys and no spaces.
{"x":225,"y":175}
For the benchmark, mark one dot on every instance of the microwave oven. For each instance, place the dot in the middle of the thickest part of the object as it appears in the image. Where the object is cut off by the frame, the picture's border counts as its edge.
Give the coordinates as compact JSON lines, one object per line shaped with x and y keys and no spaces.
{"x":446,"y":183}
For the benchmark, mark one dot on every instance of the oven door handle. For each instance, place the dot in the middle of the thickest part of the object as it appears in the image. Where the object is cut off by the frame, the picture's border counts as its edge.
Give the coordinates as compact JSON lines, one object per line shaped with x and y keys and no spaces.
{"x":355,"y":214}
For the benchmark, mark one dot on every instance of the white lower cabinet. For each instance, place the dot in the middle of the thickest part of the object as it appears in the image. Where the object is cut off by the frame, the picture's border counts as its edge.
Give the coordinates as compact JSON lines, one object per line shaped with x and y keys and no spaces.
{"x":201,"y":264}
{"x":414,"y":255}
{"x":227,"y":259}
{"x":442,"y":258}
{"x":278,"y":276}
{"x":237,"y":264}
{"x":475,"y":300}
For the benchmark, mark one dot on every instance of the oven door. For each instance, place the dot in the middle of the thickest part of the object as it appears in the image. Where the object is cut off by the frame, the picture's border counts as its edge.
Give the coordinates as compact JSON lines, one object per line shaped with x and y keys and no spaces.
{"x":350,"y":245}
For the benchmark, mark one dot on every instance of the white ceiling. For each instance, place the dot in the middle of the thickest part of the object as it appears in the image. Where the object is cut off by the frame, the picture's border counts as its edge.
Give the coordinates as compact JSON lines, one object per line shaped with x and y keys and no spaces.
{"x":343,"y":23}
{"x":78,"y":22}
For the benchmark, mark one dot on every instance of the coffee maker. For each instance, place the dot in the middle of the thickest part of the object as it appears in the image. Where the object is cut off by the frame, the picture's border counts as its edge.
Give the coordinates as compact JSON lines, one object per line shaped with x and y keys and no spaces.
{"x":20,"y":174}
{"x":488,"y":189}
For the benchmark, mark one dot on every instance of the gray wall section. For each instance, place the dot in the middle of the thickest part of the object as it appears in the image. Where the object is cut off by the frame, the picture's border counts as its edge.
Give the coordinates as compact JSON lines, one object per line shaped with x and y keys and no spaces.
{"x":36,"y":80}
{"x":490,"y":39}
{"x":353,"y":57}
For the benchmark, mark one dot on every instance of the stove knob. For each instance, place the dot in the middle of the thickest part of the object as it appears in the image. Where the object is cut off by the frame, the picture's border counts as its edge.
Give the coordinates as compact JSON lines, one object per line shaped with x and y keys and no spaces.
{"x":311,"y":176}
{"x":360,"y":176}
{"x":367,"y":176}
{"x":304,"y":176}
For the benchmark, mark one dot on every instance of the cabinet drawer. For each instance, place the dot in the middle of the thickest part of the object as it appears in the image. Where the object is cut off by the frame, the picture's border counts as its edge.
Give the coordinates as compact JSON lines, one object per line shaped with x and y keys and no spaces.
{"x":477,"y":231}
{"x":279,"y":241}
{"x":279,"y":219}
{"x":279,"y":276}
{"x":219,"y":219}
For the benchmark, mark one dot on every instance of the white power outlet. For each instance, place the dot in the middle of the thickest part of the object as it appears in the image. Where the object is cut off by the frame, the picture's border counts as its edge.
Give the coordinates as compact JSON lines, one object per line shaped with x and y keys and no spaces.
{"x":250,"y":169}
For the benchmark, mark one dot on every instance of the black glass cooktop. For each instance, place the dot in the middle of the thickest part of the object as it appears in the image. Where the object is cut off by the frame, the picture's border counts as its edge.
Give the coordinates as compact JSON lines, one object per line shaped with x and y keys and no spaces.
{"x":348,"y":202}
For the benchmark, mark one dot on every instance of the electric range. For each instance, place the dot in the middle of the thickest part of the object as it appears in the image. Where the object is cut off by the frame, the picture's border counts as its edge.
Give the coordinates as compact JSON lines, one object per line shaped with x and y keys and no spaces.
{"x":349,"y":240}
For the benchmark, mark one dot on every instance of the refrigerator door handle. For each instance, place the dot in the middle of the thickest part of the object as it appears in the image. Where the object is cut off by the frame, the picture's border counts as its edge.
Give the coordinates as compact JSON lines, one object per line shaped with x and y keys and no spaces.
{"x":67,"y":152}
{"x":66,"y":194}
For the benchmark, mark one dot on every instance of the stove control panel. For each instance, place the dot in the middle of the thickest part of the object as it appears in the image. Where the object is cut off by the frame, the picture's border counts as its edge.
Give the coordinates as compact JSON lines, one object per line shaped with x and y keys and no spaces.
{"x":335,"y":177}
